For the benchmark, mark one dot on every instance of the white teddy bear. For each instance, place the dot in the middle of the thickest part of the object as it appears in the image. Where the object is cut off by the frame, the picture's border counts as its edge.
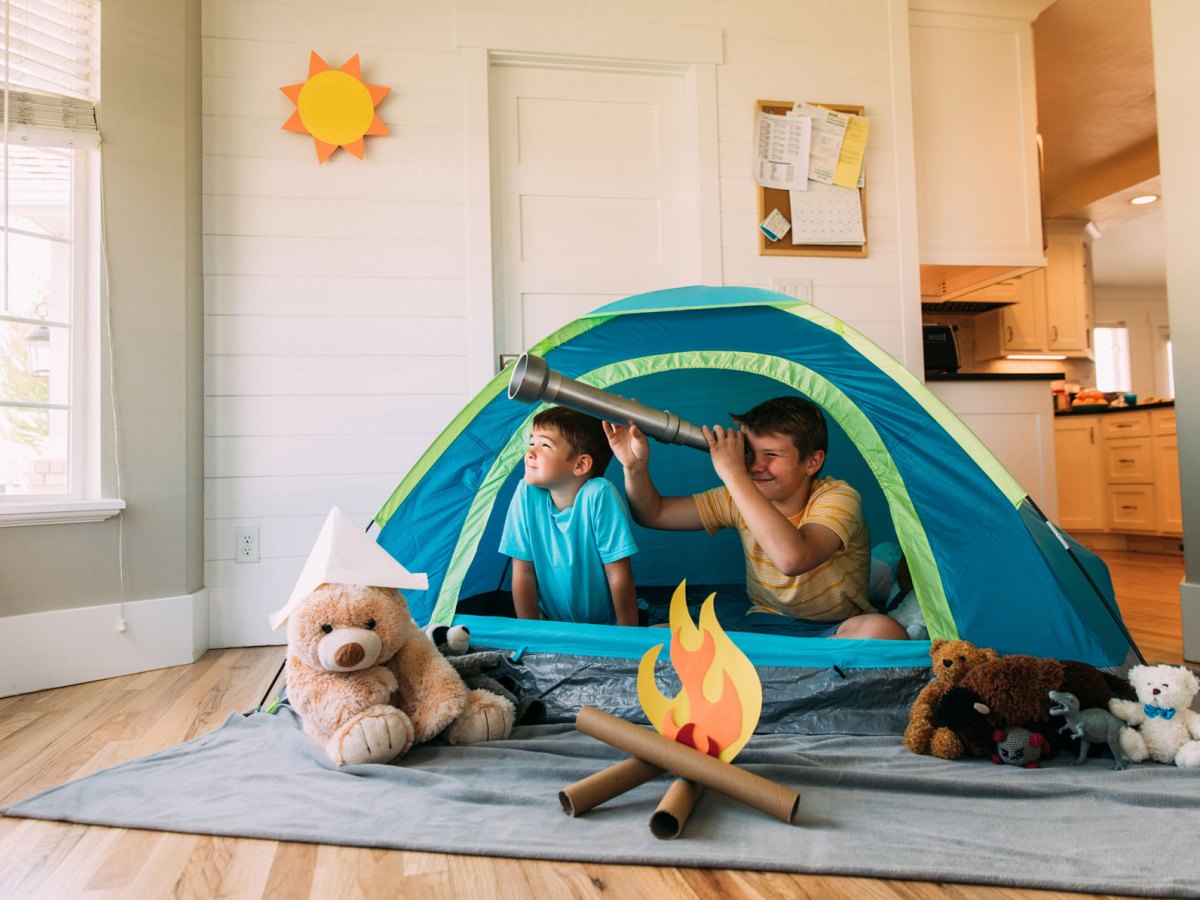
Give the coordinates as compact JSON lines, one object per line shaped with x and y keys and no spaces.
{"x":1167,"y":730}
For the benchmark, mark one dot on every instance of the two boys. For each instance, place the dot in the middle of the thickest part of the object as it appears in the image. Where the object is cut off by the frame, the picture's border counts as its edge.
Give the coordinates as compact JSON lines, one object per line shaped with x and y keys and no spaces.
{"x":806,"y":545}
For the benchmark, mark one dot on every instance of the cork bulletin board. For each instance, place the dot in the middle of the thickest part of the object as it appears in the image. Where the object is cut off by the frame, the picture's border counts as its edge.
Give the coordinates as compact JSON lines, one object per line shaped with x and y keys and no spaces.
{"x":773,"y":198}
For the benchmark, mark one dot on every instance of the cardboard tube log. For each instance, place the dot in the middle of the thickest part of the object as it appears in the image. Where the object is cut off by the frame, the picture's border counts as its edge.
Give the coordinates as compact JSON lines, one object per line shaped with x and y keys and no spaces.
{"x":578,"y":798}
{"x":677,"y":804}
{"x":532,"y":380}
{"x":652,"y":747}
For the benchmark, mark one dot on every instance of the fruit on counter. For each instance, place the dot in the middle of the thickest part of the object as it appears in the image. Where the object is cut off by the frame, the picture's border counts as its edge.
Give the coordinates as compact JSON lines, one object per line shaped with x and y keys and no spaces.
{"x":1089,"y":397}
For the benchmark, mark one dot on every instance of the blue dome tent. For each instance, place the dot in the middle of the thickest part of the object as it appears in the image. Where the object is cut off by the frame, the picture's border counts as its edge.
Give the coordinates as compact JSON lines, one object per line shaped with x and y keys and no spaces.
{"x":986,"y":565}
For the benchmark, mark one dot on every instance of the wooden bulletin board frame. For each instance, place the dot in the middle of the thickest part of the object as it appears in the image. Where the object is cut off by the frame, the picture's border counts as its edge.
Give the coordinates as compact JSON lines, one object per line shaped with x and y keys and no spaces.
{"x":773,"y":198}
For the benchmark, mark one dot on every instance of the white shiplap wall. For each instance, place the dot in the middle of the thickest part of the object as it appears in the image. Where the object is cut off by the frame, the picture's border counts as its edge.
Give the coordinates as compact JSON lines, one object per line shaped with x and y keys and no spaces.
{"x":336,"y":295}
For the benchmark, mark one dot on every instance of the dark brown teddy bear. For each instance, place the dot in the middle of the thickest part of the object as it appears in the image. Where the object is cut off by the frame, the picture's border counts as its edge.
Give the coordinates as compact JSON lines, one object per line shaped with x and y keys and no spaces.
{"x":951,"y":661}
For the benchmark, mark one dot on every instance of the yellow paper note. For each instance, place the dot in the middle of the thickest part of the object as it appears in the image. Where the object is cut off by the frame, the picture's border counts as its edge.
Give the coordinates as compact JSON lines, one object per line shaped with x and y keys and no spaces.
{"x":854,"y":149}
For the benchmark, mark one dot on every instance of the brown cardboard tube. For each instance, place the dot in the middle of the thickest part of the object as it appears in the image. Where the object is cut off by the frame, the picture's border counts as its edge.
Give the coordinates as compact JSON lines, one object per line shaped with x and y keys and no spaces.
{"x":677,"y":804}
{"x":641,"y":743}
{"x":581,"y":796}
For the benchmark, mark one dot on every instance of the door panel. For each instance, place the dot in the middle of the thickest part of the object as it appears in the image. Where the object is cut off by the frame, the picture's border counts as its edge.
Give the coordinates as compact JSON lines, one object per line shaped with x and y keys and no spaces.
{"x":594,"y":193}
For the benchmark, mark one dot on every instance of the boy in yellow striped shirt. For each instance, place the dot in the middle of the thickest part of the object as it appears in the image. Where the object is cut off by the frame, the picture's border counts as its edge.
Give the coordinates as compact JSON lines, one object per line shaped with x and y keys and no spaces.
{"x":807,"y":547}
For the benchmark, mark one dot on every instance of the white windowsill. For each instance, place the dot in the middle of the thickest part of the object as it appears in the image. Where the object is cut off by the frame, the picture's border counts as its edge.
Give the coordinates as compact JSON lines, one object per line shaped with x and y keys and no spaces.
{"x":57,"y":512}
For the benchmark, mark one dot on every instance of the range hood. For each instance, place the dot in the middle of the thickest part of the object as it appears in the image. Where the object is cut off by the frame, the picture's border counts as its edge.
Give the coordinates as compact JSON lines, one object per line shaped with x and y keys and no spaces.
{"x":942,"y":283}
{"x":961,"y":307}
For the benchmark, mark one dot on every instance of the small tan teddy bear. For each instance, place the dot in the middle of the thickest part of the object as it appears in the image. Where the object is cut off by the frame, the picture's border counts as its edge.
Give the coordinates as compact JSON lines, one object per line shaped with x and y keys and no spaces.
{"x":1166,"y":729}
{"x":368,"y":683}
{"x":951,"y":661}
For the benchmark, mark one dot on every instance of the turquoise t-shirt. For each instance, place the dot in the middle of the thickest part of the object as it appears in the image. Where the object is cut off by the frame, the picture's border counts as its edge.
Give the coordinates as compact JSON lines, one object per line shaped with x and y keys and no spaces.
{"x":570,"y":547}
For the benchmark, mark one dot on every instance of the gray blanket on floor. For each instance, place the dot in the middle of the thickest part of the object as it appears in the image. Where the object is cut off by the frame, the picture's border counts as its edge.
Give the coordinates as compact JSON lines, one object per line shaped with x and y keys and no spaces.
{"x":867,"y":808}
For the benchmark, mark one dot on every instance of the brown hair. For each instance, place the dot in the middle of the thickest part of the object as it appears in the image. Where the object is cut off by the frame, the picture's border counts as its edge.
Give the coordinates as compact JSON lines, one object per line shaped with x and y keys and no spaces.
{"x":584,"y":433}
{"x":797,"y":417}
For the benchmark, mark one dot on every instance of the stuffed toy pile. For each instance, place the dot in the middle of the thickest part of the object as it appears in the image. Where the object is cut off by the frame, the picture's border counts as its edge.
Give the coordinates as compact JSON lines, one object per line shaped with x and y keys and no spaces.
{"x":365,"y":679}
{"x":1165,"y":727}
{"x":976,"y":692}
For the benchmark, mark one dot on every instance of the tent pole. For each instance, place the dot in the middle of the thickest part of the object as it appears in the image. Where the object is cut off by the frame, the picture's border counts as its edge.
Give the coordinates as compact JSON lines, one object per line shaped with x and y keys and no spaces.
{"x":1083,"y":570}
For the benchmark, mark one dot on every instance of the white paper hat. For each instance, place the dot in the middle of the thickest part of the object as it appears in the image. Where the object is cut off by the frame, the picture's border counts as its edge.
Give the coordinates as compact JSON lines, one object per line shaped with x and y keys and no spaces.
{"x":344,"y":554}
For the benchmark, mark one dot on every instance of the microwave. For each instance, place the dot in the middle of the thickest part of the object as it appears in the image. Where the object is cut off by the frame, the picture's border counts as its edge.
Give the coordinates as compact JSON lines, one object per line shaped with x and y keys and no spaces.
{"x":941,"y":349}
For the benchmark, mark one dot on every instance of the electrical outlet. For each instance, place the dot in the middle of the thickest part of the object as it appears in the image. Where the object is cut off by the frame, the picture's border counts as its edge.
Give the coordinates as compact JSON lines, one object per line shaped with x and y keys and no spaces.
{"x":245,"y":544}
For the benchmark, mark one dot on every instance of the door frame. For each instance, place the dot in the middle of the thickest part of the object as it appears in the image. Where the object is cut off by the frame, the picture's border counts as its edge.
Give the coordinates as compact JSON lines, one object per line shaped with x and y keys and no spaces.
{"x":488,"y":39}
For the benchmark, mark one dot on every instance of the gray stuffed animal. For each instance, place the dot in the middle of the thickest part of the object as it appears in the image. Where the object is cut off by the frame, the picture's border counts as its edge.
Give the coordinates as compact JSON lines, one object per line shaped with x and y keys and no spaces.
{"x":454,"y":642}
{"x":1018,"y":746}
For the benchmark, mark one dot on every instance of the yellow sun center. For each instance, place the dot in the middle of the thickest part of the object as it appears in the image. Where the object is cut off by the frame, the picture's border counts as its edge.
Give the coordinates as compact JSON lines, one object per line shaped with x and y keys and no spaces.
{"x":336,"y":107}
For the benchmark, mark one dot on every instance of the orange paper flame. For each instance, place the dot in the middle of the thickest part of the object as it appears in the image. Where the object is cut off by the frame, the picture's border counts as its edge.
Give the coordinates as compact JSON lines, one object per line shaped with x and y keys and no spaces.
{"x":719,"y":703}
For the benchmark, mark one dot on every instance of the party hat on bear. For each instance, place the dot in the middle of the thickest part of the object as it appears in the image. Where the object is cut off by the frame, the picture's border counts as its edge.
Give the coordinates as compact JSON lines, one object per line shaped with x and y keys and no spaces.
{"x":344,"y":554}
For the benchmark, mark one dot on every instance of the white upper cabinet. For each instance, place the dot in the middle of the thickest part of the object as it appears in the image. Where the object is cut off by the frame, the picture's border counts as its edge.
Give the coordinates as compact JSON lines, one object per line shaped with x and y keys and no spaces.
{"x":975,"y":132}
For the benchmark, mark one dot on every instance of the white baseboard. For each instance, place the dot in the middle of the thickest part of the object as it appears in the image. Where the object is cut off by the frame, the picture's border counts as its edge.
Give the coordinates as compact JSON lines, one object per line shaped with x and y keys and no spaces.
{"x":237,"y":616}
{"x":70,"y":646}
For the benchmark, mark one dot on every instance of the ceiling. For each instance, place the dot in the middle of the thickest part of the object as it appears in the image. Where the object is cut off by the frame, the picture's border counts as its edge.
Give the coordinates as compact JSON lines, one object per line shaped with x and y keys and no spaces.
{"x":1099,"y":130}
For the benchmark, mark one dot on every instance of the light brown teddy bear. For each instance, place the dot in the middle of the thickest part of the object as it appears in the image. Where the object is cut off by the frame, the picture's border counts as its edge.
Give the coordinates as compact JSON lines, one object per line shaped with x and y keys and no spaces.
{"x":951,"y":661}
{"x":368,"y":683}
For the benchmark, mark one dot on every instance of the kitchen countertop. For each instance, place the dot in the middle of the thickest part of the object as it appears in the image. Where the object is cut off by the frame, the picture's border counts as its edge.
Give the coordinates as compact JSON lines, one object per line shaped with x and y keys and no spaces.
{"x":994,"y":376}
{"x":1098,"y":410}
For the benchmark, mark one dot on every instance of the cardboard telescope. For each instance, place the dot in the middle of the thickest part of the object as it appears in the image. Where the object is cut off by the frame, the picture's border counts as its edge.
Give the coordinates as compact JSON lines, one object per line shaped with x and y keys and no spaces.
{"x":532,"y":380}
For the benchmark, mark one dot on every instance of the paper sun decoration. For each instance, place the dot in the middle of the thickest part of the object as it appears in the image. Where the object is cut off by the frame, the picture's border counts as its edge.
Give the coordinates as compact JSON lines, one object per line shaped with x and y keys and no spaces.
{"x":336,"y":107}
{"x":720,"y":701}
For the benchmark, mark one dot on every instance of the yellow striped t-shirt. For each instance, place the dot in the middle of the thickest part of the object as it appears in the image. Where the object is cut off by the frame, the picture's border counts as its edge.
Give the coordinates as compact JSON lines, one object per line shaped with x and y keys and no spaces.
{"x":833,"y":591}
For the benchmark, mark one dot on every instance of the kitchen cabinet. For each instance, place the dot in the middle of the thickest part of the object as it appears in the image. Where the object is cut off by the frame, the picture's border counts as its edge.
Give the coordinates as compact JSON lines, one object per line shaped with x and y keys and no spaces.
{"x":1119,"y":472}
{"x":1068,"y":289}
{"x":1052,"y":311}
{"x":975,"y":145}
{"x":1079,"y":466}
{"x":1166,"y":472}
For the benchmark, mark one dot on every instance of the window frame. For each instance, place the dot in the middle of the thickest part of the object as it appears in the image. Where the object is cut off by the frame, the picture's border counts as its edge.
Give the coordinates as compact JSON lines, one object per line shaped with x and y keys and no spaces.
{"x":83,"y":500}
{"x":1127,"y":368}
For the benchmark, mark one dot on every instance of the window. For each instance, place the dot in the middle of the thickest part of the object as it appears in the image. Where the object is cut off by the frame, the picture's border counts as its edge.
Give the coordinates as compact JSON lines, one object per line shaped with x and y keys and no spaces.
{"x":1112,"y":358}
{"x":48,"y":243}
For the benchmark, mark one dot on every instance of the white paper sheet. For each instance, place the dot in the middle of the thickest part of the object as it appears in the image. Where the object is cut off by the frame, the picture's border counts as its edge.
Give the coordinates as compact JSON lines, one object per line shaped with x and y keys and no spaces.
{"x":825,"y":214}
{"x":783,"y":148}
{"x":828,"y":132}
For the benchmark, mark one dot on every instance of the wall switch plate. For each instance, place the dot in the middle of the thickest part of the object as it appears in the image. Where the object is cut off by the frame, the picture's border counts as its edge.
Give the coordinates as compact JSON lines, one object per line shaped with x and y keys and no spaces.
{"x":245,"y":544}
{"x":800,"y":288}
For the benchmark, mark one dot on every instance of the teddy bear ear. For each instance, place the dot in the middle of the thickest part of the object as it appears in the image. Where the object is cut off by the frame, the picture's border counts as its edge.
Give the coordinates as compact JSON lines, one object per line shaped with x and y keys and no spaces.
{"x":936,"y":644}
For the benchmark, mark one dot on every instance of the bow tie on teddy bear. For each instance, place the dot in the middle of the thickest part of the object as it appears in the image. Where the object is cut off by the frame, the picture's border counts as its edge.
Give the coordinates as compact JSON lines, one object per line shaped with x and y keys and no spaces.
{"x":1155,"y":712}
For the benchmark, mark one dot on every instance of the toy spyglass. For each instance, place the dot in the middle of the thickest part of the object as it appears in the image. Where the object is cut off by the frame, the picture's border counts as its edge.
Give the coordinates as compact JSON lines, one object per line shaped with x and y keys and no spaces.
{"x":532,"y":380}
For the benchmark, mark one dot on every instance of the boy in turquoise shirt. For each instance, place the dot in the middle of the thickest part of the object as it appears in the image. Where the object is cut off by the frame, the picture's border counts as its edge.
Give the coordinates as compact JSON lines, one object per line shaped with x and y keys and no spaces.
{"x":567,"y":528}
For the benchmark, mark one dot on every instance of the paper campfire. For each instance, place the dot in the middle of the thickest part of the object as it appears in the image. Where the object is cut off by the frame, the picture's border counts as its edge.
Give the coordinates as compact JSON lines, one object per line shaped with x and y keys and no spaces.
{"x":699,"y":731}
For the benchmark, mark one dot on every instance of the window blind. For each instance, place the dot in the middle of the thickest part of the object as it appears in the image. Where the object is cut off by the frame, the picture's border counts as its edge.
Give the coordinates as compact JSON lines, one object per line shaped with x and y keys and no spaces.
{"x":48,"y":55}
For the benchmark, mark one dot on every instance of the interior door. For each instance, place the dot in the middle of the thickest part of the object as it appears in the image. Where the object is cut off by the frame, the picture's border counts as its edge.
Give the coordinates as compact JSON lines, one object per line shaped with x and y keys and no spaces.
{"x":594,"y":193}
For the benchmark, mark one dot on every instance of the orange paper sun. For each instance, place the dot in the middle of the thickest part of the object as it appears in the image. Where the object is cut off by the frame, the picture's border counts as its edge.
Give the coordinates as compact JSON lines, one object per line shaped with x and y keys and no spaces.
{"x":336,"y":107}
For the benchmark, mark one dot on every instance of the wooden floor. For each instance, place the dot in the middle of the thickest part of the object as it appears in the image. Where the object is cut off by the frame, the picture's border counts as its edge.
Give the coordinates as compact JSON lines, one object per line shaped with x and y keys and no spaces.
{"x":53,"y":736}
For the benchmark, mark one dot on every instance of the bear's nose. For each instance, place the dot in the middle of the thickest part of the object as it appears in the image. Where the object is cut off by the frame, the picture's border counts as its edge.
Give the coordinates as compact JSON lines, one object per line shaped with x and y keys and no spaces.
{"x":349,"y":655}
{"x":1156,"y":692}
{"x":947,"y":663}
